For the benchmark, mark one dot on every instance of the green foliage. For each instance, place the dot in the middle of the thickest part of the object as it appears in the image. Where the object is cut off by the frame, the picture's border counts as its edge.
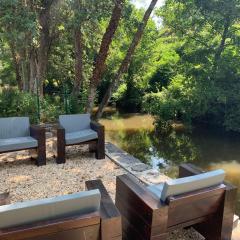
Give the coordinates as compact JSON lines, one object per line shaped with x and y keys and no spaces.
{"x":204,"y":84}
{"x":187,"y":69}
{"x":15,"y":103}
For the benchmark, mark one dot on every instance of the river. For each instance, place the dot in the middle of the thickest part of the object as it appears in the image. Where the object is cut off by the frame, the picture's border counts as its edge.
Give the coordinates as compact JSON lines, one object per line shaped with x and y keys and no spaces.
{"x":205,"y":147}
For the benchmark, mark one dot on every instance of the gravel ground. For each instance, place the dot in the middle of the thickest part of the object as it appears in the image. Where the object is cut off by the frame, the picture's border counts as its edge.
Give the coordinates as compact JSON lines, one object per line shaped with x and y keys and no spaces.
{"x":25,"y":181}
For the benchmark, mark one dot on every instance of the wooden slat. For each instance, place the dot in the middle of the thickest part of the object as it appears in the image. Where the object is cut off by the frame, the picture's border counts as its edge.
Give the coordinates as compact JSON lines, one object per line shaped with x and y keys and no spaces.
{"x":46,"y":228}
{"x":144,"y":215}
{"x":111,"y":221}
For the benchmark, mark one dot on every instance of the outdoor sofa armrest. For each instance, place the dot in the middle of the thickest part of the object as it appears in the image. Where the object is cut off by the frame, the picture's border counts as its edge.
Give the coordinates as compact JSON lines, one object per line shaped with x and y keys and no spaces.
{"x":111,"y":221}
{"x":134,"y":189}
{"x":99,"y":128}
{"x":100,"y":153}
{"x":142,"y":212}
{"x":38,"y":133}
{"x":60,"y":133}
{"x":4,"y":198}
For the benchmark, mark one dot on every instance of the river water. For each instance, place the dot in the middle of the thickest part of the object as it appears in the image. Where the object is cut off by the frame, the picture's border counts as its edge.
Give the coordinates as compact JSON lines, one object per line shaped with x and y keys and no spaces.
{"x":205,"y":147}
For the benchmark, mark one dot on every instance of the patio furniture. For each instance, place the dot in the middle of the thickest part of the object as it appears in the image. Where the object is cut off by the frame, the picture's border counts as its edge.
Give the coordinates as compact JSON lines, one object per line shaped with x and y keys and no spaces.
{"x":78,"y":129}
{"x":197,"y":199}
{"x":89,"y":215}
{"x":16,"y":134}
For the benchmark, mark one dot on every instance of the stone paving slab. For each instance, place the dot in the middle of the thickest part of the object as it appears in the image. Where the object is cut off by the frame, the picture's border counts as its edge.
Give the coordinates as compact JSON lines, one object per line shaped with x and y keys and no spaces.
{"x":134,"y":166}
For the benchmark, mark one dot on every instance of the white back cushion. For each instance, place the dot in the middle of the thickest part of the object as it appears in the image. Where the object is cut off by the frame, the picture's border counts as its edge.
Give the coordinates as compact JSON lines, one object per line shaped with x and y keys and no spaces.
{"x":193,"y":183}
{"x":75,"y":122}
{"x":47,"y":209}
{"x":14,"y":127}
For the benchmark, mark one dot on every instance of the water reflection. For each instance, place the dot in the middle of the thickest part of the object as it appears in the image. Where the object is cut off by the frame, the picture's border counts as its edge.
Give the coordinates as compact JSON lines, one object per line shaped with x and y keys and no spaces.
{"x":207,"y":148}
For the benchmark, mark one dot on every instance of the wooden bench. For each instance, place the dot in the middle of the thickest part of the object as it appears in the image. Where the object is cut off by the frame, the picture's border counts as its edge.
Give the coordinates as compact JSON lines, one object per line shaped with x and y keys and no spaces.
{"x":104,"y":224}
{"x":210,"y":210}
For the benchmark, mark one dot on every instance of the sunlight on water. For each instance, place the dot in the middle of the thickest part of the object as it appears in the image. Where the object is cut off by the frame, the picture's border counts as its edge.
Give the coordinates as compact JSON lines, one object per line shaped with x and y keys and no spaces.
{"x":129,"y":122}
{"x":232,"y":169}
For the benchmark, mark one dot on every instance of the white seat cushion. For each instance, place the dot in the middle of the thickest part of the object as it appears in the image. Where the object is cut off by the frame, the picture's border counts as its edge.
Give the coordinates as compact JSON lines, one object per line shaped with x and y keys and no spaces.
{"x":156,"y":189}
{"x":18,"y":143}
{"x":188,"y":184}
{"x":80,"y":136}
{"x":75,"y":122}
{"x":49,"y":209}
{"x":14,"y":127}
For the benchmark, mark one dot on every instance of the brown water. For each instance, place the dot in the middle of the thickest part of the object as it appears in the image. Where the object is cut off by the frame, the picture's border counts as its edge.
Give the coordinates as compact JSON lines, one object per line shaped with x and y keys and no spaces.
{"x":206,"y":147}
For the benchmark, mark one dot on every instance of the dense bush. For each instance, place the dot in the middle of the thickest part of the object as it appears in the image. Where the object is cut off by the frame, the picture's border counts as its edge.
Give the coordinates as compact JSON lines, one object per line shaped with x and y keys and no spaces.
{"x":15,"y":103}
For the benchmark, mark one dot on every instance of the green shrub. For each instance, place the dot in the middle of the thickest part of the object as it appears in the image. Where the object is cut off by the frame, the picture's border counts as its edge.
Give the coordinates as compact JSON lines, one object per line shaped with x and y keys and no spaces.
{"x":15,"y":103}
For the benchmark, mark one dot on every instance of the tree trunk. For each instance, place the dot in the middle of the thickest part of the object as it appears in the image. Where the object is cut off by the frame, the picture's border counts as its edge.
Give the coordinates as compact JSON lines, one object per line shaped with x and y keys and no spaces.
{"x":16,"y":62}
{"x":100,"y":62}
{"x":45,"y":42}
{"x":32,"y":71}
{"x":44,"y":21}
{"x":78,"y":42}
{"x":221,"y":47}
{"x":125,"y":63}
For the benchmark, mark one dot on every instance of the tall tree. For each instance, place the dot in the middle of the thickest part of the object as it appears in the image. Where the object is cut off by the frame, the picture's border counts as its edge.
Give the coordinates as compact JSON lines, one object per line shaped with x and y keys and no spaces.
{"x":126,"y":61}
{"x":45,"y":40}
{"x":100,"y":62}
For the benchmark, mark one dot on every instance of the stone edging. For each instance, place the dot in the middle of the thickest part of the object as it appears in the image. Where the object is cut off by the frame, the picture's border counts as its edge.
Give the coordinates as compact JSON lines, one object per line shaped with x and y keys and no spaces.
{"x":134,"y":166}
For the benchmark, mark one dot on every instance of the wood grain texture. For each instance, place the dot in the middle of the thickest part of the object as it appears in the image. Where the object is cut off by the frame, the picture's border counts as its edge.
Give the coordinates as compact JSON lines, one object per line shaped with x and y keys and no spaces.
{"x":50,"y":229}
{"x":111,"y":221}
{"x":100,"y":147}
{"x":146,"y":217}
{"x":61,"y":145}
{"x":39,"y":133}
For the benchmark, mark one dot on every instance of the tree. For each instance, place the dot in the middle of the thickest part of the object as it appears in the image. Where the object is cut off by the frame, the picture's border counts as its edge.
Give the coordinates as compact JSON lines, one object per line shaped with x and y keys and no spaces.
{"x":205,"y":80}
{"x":99,"y":65}
{"x":125,"y":63}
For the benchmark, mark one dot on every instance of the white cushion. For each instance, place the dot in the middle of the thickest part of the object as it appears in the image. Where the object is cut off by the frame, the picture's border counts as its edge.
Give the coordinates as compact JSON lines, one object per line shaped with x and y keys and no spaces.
{"x":14,"y":127}
{"x":156,"y":189}
{"x":187,"y":184}
{"x":49,"y":209}
{"x":18,"y":143}
{"x":81,"y":136}
{"x":75,"y":122}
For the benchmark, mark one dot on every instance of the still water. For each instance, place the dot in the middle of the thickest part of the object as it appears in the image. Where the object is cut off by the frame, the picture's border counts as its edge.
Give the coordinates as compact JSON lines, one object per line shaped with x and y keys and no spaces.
{"x":206,"y":147}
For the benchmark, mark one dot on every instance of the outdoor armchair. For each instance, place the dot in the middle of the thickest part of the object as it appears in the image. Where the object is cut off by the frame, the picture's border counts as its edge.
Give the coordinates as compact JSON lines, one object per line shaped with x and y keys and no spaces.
{"x":197,"y":199}
{"x":16,"y":134}
{"x":78,"y":129}
{"x":89,"y":215}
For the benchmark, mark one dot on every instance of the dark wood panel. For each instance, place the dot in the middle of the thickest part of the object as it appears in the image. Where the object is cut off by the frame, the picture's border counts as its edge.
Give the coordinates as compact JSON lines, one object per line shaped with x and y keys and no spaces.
{"x":50,"y":227}
{"x":85,"y":233}
{"x":144,"y":215}
{"x":111,"y":221}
